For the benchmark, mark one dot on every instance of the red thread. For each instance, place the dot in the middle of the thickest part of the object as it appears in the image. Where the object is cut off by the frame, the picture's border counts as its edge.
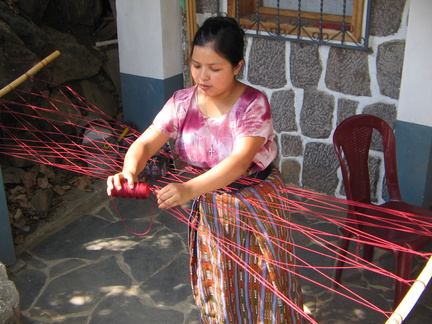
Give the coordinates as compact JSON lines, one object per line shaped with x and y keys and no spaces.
{"x":24,"y":139}
{"x":141,"y":190}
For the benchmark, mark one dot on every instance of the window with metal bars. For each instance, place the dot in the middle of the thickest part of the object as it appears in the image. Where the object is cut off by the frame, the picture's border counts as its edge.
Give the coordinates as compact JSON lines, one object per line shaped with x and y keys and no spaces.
{"x":342,"y":23}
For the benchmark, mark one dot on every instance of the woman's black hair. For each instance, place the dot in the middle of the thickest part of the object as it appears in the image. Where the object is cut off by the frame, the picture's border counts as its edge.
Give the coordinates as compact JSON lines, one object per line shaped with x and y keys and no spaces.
{"x":225,"y":36}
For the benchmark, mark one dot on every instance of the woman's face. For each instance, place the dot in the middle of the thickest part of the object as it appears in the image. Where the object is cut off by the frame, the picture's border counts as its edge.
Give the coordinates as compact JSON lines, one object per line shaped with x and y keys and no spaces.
{"x":213,"y":73}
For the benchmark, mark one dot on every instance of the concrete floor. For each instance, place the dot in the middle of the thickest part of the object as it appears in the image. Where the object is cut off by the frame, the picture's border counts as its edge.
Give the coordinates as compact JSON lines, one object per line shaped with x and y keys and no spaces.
{"x":84,"y":266}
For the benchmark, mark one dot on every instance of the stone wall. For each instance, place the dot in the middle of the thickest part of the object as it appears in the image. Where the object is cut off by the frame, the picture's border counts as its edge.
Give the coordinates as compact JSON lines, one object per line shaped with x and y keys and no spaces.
{"x":312,"y":88}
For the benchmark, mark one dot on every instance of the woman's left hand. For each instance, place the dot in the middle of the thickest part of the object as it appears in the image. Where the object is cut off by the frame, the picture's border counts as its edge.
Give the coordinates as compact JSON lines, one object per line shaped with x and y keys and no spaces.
{"x":173,"y":194}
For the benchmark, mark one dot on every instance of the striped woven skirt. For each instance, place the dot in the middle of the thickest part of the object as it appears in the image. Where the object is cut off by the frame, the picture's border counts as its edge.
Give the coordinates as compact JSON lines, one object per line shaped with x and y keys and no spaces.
{"x":242,"y":257}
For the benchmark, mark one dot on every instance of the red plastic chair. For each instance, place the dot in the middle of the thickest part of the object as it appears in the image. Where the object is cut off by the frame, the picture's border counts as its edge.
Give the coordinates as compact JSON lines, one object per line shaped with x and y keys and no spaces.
{"x":353,"y":137}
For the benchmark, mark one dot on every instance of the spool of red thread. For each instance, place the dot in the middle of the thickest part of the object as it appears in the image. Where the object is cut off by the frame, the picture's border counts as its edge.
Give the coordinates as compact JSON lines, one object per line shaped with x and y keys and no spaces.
{"x":141,"y":190}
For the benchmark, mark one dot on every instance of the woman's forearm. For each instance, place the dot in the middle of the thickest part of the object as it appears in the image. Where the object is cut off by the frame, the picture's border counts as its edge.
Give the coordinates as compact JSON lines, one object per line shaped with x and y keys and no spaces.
{"x":219,"y":176}
{"x":142,"y":150}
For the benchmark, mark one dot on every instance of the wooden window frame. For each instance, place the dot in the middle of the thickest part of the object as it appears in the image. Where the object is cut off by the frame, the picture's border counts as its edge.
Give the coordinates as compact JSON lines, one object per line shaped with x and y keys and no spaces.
{"x":331,"y":29}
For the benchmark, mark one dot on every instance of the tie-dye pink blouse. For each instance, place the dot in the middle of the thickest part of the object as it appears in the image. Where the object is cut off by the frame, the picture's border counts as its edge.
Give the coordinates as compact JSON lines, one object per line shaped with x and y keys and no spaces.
{"x":203,"y":142}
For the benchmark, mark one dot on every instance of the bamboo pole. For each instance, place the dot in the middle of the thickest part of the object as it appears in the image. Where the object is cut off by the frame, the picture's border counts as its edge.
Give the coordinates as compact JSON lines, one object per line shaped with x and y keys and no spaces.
{"x":411,"y":298}
{"x":35,"y":69}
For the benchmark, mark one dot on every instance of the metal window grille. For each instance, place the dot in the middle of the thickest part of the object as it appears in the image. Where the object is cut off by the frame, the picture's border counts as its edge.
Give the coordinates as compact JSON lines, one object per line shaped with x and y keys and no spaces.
{"x":346,"y":25}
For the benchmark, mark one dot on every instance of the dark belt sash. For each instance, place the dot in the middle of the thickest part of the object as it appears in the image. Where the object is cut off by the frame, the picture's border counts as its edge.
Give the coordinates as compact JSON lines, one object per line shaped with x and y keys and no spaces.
{"x":249,"y":180}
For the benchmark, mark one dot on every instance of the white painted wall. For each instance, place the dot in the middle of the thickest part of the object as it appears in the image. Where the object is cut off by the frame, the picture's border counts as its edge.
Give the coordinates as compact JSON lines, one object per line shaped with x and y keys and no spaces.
{"x":415,"y":101}
{"x":150,"y":38}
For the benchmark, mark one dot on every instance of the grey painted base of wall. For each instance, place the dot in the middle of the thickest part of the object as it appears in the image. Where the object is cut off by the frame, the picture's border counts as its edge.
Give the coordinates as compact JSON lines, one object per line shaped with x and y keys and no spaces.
{"x":144,"y":97}
{"x":414,"y":160}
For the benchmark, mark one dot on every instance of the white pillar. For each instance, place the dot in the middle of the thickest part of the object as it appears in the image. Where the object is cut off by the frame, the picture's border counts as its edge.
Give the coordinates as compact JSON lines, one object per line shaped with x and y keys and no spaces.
{"x":414,"y":120}
{"x":150,"y":52}
{"x":416,"y":93}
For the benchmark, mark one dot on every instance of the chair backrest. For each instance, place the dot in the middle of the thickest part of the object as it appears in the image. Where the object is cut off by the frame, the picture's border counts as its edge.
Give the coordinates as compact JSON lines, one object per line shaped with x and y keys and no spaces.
{"x":353,"y":138}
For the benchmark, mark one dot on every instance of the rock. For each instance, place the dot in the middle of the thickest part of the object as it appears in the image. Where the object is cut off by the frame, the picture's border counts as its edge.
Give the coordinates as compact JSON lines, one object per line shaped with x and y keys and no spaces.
{"x":112,"y":66}
{"x":42,"y":200}
{"x":9,"y":299}
{"x":76,"y":61}
{"x":27,"y":31}
{"x":34,"y":9}
{"x":59,"y":109}
{"x":74,"y":12}
{"x":101,"y":99}
{"x":12,"y":175}
{"x":15,"y":57}
{"x":107,"y":30}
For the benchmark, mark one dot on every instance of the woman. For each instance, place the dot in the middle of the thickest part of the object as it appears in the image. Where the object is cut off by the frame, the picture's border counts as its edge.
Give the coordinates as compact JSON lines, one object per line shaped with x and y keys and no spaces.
{"x":224,"y":128}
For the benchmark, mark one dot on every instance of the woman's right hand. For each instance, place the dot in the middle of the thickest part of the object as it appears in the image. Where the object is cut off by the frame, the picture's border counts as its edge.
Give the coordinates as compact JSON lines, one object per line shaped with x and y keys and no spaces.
{"x":116,"y":180}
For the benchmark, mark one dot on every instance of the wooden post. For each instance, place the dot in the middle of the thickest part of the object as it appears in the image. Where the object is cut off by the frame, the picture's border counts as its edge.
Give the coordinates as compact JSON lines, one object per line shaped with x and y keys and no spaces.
{"x":191,"y":28}
{"x":191,"y":19}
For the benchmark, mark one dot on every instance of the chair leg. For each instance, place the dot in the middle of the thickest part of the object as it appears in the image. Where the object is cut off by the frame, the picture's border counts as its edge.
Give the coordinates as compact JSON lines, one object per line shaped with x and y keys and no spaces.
{"x":403,"y":269}
{"x":341,"y":262}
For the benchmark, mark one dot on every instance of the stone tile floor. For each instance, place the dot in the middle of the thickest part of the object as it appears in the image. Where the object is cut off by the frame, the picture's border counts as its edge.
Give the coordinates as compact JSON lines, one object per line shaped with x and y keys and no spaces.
{"x":88,"y":268}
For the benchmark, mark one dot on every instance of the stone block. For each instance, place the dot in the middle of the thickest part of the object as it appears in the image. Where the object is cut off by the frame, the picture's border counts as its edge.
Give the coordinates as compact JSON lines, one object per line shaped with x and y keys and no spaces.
{"x":283,"y":111}
{"x":346,"y":108}
{"x":267,"y":65}
{"x":305,"y":65}
{"x":319,"y":168}
{"x":291,"y":145}
{"x":389,"y":67}
{"x":386,"y":17}
{"x":348,"y":72}
{"x":291,"y":172}
{"x":374,"y":174}
{"x":317,"y":114}
{"x":387,"y":112}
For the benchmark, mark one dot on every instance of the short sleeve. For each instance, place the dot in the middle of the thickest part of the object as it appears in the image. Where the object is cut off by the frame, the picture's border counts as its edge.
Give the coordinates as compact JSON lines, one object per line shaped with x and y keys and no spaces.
{"x":166,"y":120}
{"x":173,"y":113}
{"x":254,"y":118}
